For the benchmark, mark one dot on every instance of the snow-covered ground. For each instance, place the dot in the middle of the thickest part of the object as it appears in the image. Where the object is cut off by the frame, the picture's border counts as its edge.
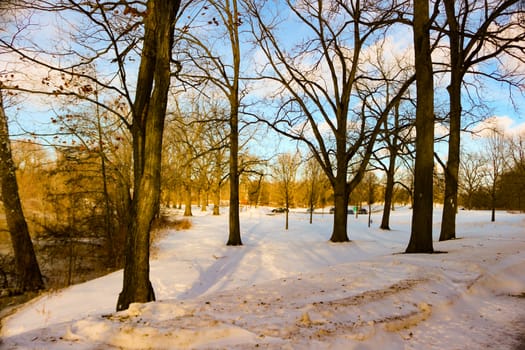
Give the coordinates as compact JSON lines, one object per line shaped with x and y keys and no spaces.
{"x":295,"y":290}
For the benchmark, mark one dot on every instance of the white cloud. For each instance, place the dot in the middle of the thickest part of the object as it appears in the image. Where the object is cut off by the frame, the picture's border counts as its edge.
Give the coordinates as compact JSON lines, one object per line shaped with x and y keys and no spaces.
{"x":510,"y":61}
{"x":503,"y":124}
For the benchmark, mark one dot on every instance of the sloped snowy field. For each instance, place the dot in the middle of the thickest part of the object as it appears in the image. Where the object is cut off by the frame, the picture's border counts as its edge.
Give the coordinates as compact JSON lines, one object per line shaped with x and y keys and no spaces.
{"x":295,"y":290}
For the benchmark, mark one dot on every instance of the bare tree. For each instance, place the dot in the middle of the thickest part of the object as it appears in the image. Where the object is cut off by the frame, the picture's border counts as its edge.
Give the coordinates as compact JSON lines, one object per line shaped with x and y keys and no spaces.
{"x":183,"y":145}
{"x":316,"y":79}
{"x":398,"y":141}
{"x":196,"y":144}
{"x":222,"y":68}
{"x":285,"y":171}
{"x":395,"y":138}
{"x":471,"y":176}
{"x":495,"y":31}
{"x":371,"y":184}
{"x":28,"y":273}
{"x":149,"y":113}
{"x":517,"y":147}
{"x":421,"y":231}
{"x":496,"y":160}
{"x":100,"y":134}
{"x":314,"y":177}
{"x":512,"y":187}
{"x":232,"y":22}
{"x":219,"y":163}
{"x":253,"y":172}
{"x":405,"y":180}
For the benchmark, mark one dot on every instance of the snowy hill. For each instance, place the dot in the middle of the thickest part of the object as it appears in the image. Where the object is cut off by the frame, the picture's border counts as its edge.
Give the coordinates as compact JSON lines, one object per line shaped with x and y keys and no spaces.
{"x":295,"y":290}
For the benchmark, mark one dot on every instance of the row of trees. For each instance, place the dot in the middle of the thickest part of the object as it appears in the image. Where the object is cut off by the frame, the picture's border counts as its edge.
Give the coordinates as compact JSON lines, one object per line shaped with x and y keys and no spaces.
{"x":49,"y":183}
{"x":216,"y":71}
{"x":77,"y":193}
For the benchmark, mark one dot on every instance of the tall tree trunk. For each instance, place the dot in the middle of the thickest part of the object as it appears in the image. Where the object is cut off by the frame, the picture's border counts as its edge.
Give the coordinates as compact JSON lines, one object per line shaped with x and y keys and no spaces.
{"x":187,"y":199}
{"x":390,"y":175}
{"x":421,"y":232}
{"x":187,"y":189}
{"x":203,"y":195}
{"x":216,"y":200}
{"x":450,"y":205}
{"x":234,"y":237}
{"x":493,"y":202}
{"x":339,"y":233}
{"x":217,"y":196}
{"x":149,"y":112}
{"x":204,"y":200}
{"x":339,"y":183}
{"x":311,"y":197}
{"x":28,"y":273}
{"x":199,"y":198}
{"x":217,"y":185}
{"x":389,"y":193}
{"x":286,"y":212}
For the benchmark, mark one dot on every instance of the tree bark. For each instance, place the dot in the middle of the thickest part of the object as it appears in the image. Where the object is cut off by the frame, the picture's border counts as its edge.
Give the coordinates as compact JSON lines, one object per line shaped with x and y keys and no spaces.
{"x":28,"y":273}
{"x":393,"y":150}
{"x":421,"y":231}
{"x":217,"y":184}
{"x":339,"y":231}
{"x":217,"y":200}
{"x":204,"y":200}
{"x":187,"y":198}
{"x":149,"y":112}
{"x":339,"y":183}
{"x":234,"y":237}
{"x":493,"y":202}
{"x":450,"y":204}
{"x":389,"y":193}
{"x":216,"y":187}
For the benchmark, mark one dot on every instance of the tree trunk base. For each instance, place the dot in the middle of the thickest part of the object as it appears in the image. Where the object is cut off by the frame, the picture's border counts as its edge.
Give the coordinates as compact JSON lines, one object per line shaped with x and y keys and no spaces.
{"x":419,"y":250}
{"x":447,"y":236}
{"x":339,"y":239}
{"x":132,"y":295}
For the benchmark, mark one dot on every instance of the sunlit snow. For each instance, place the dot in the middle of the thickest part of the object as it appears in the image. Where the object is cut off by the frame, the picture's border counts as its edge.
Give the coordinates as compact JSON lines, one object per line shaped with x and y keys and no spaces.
{"x":296,"y":290}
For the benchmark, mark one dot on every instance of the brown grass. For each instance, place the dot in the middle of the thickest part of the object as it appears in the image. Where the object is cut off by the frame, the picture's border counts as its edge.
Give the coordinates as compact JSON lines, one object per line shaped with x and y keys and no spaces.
{"x":161,"y":227}
{"x":183,"y":224}
{"x":168,"y":223}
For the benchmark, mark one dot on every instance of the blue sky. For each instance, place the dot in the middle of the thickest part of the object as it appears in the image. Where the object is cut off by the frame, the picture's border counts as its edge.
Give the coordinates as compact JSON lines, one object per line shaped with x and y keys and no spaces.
{"x":34,"y":112}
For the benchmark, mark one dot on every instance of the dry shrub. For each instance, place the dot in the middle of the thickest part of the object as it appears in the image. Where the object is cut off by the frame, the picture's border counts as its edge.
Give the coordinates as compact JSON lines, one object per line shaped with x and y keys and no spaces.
{"x":182,"y":224}
{"x":160,"y":228}
{"x":167,"y":223}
